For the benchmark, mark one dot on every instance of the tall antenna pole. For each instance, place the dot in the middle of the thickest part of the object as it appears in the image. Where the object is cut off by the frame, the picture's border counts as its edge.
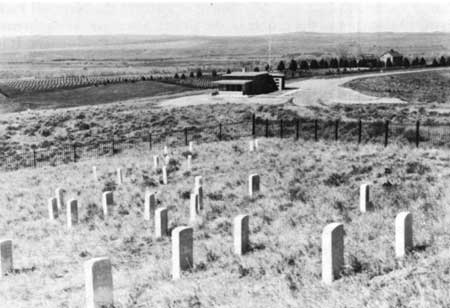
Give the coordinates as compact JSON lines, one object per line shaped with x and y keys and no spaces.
{"x":270,"y":48}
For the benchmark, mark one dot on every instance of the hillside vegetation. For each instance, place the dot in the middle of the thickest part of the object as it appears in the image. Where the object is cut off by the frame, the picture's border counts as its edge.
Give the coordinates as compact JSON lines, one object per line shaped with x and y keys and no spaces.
{"x":304,"y":187}
{"x":426,"y":87}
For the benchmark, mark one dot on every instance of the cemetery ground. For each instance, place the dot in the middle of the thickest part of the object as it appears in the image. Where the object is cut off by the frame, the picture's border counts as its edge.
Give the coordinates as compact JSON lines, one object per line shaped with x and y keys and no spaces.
{"x":304,"y":187}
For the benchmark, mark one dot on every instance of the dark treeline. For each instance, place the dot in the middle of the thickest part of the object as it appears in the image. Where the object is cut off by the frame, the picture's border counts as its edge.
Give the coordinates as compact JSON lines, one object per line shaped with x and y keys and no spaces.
{"x":295,"y":65}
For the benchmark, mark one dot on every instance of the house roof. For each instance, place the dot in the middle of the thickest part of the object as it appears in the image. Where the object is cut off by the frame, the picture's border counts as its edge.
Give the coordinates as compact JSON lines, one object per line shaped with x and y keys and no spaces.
{"x":233,"y":81}
{"x":393,"y":53}
{"x":244,"y":74}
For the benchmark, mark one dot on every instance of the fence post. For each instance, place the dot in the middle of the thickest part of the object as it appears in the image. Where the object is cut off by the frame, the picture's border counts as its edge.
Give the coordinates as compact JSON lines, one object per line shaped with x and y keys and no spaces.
{"x":34,"y":158}
{"x":359,"y":130}
{"x":316,"y":124}
{"x":336,"y":130}
{"x":281,"y":128}
{"x":150,"y":141}
{"x":253,"y":125}
{"x":74,"y":153}
{"x":112,"y":148}
{"x":297,"y":129}
{"x":220,"y":131}
{"x":417,"y":133}
{"x":185,"y":136}
{"x":386,"y":133}
{"x":267,"y":128}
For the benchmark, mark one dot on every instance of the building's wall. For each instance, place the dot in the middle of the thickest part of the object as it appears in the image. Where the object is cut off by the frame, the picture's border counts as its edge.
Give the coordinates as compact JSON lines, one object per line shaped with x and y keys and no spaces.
{"x":260,"y":85}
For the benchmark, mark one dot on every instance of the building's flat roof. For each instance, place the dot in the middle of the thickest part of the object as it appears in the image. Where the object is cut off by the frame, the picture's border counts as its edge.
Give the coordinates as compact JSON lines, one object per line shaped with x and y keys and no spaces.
{"x":233,"y":81}
{"x":277,"y":74}
{"x":244,"y":74}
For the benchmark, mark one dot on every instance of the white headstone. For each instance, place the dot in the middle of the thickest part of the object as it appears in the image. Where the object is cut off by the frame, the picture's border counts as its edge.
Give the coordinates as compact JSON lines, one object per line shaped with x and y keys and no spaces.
{"x":251,"y":146}
{"x":107,"y":203}
{"x":161,"y":222}
{"x":155,"y":161}
{"x":60,"y":197}
{"x":182,"y":251}
{"x":166,"y":160}
{"x":166,"y":151}
{"x":52,"y":208}
{"x":191,"y":146}
{"x":364,"y":198}
{"x":198,"y":181}
{"x":119,"y":176}
{"x":253,"y":184}
{"x":241,"y":234}
{"x":72,"y":213}
{"x":94,"y":173}
{"x":99,"y":283}
{"x":256,"y":144}
{"x":193,"y":208}
{"x":332,"y":252}
{"x":149,"y":205}
{"x":6,"y":256}
{"x":164,"y":175}
{"x":189,"y":162}
{"x":403,"y":234}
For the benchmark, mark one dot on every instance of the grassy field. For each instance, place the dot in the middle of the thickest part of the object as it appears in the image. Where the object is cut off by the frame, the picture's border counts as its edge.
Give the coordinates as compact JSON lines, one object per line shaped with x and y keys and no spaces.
{"x":92,"y":95}
{"x":304,"y":187}
{"x":93,"y":55}
{"x":429,"y":87}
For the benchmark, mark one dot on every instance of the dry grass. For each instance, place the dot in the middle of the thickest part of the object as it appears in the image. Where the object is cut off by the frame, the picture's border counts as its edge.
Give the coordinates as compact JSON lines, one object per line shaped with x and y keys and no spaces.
{"x":304,"y":187}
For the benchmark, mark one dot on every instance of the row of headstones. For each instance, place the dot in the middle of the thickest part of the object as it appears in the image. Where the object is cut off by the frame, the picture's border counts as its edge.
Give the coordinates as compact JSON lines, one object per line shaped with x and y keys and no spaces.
{"x":55,"y":205}
{"x":98,"y":275}
{"x":98,"y":271}
{"x":253,"y":145}
{"x":333,"y":238}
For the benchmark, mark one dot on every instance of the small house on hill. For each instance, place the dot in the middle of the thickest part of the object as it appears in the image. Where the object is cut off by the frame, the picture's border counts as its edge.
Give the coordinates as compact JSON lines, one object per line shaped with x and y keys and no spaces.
{"x":249,"y":83}
{"x":395,"y":57}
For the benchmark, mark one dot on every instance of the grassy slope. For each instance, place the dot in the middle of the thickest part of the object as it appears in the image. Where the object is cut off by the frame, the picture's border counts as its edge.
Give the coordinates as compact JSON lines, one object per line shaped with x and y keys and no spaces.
{"x":92,"y":95}
{"x":304,"y":187}
{"x":429,"y":87}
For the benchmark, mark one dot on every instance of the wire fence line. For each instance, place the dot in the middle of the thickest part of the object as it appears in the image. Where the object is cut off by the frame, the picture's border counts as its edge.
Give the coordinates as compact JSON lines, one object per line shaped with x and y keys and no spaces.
{"x":380,"y":132}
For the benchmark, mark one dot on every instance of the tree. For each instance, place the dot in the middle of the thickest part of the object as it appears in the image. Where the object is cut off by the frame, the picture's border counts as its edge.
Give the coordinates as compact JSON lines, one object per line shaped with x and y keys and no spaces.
{"x":183,"y":76}
{"x":256,"y":69}
{"x":228,"y":71}
{"x":388,"y":62}
{"x":442,"y":61}
{"x":176,"y":76}
{"x":293,"y":65}
{"x":435,"y":62}
{"x":415,"y":62}
{"x":267,"y":67}
{"x":405,"y":62}
{"x":334,"y":63}
{"x":314,"y":64}
{"x":304,"y":65}
{"x":214,"y":73}
{"x":281,"y":67}
{"x":352,"y":63}
{"x":323,"y":63}
{"x":199,"y":73}
{"x":343,"y":62}
{"x":422,"y":62}
{"x":191,"y":74}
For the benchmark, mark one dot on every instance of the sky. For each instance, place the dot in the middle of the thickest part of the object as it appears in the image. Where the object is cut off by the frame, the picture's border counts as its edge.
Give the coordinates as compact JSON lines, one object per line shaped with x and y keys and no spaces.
{"x":220,"y":18}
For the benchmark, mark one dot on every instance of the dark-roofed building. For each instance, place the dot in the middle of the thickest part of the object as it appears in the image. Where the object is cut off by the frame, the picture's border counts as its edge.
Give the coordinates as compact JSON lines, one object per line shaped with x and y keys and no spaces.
{"x":248,"y":83}
{"x":395,"y":57}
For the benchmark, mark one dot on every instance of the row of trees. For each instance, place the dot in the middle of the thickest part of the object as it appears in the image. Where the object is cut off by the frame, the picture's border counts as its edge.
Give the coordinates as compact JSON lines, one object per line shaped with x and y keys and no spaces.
{"x":352,"y":62}
{"x":333,"y":63}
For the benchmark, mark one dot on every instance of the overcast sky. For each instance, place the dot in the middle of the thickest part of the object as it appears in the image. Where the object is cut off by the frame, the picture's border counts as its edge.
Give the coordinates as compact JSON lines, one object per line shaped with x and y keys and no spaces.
{"x":220,"y":18}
